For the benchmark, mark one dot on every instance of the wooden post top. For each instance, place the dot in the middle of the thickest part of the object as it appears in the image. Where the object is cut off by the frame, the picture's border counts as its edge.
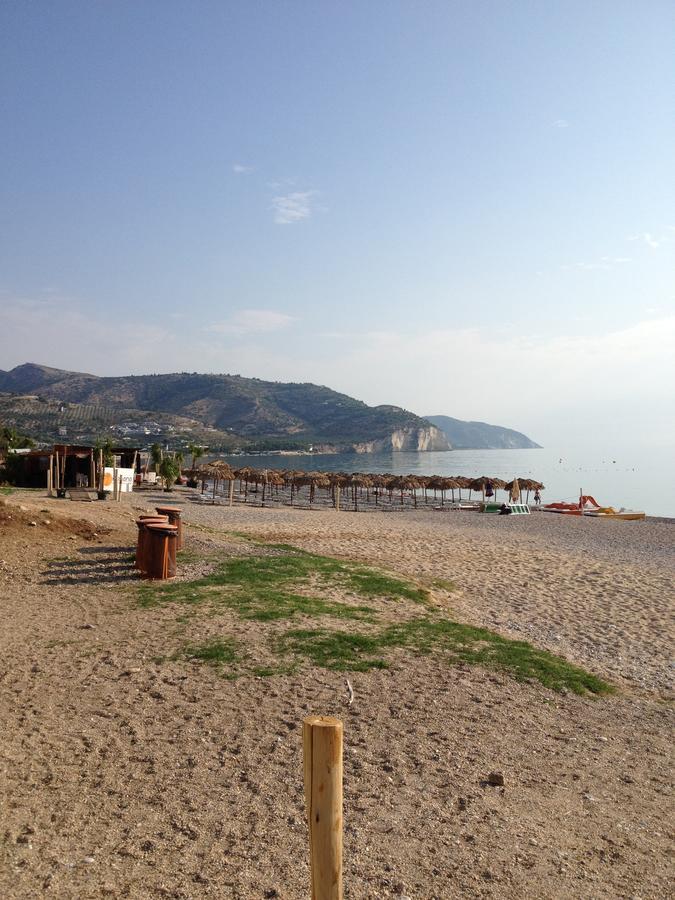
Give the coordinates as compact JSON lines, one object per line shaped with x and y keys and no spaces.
{"x":322,"y":722}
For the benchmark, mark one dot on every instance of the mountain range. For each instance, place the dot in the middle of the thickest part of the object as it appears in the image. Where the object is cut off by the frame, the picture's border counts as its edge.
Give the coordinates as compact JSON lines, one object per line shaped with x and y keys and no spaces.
{"x":224,"y":411}
{"x":480,"y":435}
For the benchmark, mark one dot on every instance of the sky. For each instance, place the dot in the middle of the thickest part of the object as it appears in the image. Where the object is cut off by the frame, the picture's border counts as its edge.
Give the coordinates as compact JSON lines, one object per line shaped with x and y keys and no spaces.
{"x":461,"y":208}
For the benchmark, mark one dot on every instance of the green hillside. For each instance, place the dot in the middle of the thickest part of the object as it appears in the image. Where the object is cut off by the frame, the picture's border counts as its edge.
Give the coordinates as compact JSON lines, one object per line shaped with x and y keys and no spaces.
{"x":245,"y":412}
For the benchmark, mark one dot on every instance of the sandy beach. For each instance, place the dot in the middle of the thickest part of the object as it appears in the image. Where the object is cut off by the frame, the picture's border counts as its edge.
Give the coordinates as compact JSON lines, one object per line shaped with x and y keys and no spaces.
{"x":131,"y":771}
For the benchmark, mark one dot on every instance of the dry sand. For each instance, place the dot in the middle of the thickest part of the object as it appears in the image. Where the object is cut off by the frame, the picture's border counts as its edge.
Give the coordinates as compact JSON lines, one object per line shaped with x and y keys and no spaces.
{"x":125,"y":777}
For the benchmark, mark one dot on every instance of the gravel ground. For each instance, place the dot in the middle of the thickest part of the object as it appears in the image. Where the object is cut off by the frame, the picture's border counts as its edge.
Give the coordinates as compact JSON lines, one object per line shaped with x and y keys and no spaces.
{"x":126,"y":775}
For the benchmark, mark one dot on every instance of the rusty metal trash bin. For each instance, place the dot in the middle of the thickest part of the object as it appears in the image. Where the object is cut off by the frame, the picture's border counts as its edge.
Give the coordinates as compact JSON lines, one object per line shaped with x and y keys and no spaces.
{"x":160,"y":551}
{"x":174,"y":514}
{"x":141,"y":542}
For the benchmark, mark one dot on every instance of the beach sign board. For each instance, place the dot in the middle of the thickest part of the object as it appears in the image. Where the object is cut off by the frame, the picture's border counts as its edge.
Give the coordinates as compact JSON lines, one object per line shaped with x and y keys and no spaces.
{"x":125,"y":478}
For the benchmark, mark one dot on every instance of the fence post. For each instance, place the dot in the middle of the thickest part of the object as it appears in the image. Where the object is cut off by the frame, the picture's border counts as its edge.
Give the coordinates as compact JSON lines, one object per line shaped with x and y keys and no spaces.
{"x":322,"y":743}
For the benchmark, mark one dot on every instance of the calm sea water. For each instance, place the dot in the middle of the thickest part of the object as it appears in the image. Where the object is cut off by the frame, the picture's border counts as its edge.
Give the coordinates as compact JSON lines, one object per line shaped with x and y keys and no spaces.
{"x":639,"y":479}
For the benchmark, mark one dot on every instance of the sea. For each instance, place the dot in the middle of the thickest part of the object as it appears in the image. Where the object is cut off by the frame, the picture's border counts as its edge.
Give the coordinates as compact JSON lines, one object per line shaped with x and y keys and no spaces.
{"x":642,"y":478}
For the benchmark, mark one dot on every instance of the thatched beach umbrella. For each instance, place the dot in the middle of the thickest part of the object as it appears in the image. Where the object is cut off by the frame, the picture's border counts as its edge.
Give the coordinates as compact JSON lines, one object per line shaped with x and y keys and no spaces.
{"x":338,"y":481}
{"x":433,"y":484}
{"x":379,"y":482}
{"x":498,"y":484}
{"x":270,"y":479}
{"x":218,"y":470}
{"x":529,"y":484}
{"x":480,"y":484}
{"x":449,"y":484}
{"x":313,"y":480}
{"x":423,"y":484}
{"x":292,"y":477}
{"x":462,"y":482}
{"x":413,"y":484}
{"x":246,"y":474}
{"x":357,"y":482}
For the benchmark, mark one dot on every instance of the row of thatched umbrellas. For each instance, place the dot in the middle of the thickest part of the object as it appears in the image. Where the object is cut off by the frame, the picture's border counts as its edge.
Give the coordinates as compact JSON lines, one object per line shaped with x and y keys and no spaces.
{"x":357,"y":482}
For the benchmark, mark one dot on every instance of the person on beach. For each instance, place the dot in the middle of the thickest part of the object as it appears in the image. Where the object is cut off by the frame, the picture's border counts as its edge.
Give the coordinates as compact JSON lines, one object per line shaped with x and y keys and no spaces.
{"x":505,"y":510}
{"x":537,"y":497}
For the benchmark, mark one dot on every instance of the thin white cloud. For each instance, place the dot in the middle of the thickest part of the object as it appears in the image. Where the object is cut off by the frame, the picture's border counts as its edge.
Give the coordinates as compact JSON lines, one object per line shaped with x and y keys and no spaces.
{"x":240,"y":169}
{"x":646,"y":237}
{"x":252,"y":321}
{"x":605,"y":263}
{"x":293,"y":207}
{"x":560,"y":123}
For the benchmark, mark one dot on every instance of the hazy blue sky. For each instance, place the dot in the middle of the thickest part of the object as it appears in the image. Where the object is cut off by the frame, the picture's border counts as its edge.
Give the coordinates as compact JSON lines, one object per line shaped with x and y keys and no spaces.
{"x":464,"y":208}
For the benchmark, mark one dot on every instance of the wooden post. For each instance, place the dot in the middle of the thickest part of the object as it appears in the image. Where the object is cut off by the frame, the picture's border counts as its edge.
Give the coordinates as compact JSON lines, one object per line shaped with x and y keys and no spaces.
{"x":322,"y":741}
{"x":92,"y":470}
{"x":100,"y":470}
{"x":232,"y":492}
{"x":114,"y":490}
{"x":133,"y":468}
{"x":58,"y":476}
{"x":337,"y":497}
{"x":50,"y":477}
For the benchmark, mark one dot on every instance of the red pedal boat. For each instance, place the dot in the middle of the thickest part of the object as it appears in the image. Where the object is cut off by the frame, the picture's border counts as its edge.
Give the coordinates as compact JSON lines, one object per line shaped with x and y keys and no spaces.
{"x":586,"y":504}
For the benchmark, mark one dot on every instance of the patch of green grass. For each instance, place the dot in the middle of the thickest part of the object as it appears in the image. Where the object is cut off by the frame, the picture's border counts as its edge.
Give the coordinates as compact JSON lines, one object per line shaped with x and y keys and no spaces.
{"x":458,"y":643}
{"x":6,"y":490}
{"x":333,"y":649}
{"x":216,"y":653}
{"x":370,"y":583}
{"x":225,"y":655}
{"x":265,"y":588}
{"x":187,"y":556}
